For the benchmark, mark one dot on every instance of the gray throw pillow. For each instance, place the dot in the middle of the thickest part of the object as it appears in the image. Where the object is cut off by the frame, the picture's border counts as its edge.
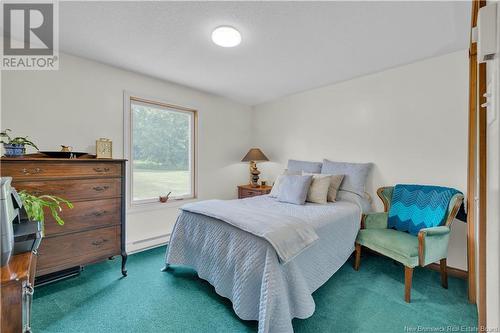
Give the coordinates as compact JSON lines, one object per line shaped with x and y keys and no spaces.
{"x":276,"y":186}
{"x":355,"y":174}
{"x":293,"y":189}
{"x":306,"y":166}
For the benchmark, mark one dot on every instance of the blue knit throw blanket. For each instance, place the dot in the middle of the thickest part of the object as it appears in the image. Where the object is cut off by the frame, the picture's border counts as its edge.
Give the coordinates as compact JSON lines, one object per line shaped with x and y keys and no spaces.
{"x":414,"y":207}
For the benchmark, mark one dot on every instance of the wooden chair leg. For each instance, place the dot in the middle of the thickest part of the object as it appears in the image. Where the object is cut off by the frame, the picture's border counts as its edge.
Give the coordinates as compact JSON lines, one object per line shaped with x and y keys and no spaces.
{"x":408,"y":277}
{"x":444,"y":273}
{"x":357,"y":259}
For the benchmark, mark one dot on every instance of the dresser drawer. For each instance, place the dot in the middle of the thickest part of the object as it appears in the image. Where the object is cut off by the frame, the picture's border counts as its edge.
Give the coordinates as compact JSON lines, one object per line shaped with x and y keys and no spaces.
{"x":32,"y":170}
{"x":85,"y":215}
{"x":73,"y":189}
{"x":60,"y":252}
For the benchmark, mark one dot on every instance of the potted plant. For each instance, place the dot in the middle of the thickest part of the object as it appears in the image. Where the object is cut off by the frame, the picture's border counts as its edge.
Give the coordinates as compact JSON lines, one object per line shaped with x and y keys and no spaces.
{"x":15,"y":146}
{"x":34,"y":207}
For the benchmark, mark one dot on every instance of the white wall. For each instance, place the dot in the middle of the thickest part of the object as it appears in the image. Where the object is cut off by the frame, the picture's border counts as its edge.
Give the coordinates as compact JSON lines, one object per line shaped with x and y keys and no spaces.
{"x":493,"y":189}
{"x":83,"y":101}
{"x":410,"y":121}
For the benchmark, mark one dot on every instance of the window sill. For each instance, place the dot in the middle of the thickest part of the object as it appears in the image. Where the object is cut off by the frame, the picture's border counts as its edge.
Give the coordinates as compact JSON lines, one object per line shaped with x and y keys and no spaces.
{"x":145,"y":207}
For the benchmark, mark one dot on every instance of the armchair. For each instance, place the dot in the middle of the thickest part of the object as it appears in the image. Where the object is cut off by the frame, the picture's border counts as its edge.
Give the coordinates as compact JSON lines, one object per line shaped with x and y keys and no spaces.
{"x":429,"y":246}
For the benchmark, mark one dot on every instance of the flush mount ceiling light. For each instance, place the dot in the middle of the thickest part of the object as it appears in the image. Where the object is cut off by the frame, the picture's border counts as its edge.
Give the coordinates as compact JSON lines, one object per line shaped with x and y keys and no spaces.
{"x":226,"y":36}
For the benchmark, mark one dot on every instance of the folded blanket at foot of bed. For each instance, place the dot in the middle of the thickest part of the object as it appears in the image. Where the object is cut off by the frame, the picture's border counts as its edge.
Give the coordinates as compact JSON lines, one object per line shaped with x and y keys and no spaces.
{"x":288,"y":235}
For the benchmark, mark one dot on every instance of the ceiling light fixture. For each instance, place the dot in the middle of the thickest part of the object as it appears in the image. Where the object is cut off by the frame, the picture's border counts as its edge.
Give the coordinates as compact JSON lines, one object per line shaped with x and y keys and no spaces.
{"x":226,"y":36}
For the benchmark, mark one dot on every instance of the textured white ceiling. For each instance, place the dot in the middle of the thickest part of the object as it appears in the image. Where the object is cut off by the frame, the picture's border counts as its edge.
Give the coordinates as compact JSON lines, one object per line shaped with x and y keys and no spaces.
{"x":287,"y":47}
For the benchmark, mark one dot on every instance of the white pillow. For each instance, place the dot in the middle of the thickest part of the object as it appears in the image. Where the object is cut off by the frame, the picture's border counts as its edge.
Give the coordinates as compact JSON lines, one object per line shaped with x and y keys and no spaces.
{"x":276,"y":186}
{"x":318,"y":191}
{"x":335,"y":181}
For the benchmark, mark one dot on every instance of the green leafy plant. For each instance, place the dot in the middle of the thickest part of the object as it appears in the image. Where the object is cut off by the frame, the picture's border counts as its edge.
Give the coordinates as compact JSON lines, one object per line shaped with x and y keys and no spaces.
{"x":34,"y":206}
{"x":18,"y":140}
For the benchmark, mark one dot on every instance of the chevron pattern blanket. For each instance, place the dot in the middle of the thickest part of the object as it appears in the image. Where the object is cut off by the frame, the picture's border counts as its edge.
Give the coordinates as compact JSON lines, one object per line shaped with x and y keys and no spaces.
{"x":414,"y":207}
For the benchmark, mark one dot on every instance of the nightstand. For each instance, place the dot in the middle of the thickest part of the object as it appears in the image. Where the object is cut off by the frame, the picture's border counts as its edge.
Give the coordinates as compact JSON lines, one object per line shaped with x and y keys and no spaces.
{"x":247,"y":191}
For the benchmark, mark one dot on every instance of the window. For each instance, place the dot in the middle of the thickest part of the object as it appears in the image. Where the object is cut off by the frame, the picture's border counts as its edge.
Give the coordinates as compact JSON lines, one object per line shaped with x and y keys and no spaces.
{"x":161,"y":150}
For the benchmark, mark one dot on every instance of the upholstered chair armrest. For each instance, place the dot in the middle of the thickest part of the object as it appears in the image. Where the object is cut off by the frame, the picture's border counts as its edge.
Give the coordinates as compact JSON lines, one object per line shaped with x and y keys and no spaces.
{"x":433,"y":244}
{"x":374,"y":221}
{"x":453,"y":208}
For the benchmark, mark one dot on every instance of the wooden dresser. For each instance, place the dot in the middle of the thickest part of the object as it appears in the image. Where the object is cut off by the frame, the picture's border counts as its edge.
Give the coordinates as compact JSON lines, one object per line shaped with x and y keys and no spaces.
{"x":17,"y":293}
{"x":94,"y":229}
{"x":246,"y":191}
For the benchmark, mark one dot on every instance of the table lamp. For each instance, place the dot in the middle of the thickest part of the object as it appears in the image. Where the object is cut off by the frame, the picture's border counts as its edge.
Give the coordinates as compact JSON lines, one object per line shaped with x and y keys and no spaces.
{"x":254,"y":155}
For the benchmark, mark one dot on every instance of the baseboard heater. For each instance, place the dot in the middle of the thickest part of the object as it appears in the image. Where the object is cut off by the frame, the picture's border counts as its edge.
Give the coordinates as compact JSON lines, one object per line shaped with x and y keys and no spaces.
{"x":147,"y":240}
{"x":150,"y":239}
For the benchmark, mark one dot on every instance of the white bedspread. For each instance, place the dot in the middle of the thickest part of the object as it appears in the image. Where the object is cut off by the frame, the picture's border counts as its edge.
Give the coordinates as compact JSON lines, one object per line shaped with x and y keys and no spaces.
{"x":288,"y":234}
{"x":246,"y":269}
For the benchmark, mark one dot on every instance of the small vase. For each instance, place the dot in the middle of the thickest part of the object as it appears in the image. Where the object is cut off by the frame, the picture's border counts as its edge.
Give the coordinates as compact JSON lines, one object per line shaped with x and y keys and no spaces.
{"x":14,"y":150}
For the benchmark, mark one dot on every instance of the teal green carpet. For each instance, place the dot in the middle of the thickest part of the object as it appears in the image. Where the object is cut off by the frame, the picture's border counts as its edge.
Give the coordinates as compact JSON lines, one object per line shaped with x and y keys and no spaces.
{"x":148,"y":300}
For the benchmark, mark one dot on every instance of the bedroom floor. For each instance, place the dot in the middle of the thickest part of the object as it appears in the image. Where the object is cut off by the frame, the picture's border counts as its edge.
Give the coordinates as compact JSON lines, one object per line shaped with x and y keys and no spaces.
{"x":148,"y":300}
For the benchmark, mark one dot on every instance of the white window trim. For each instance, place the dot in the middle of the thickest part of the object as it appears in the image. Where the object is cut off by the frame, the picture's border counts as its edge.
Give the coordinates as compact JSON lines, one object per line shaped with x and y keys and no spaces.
{"x":148,"y":204}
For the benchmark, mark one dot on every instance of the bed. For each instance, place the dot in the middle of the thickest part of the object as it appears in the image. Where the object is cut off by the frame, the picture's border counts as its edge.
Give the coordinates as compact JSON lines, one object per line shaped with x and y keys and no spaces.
{"x":247,"y":269}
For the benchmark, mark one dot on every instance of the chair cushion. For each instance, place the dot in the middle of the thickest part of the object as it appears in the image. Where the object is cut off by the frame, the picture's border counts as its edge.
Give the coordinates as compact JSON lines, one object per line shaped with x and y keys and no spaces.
{"x":397,"y":245}
{"x":414,"y":207}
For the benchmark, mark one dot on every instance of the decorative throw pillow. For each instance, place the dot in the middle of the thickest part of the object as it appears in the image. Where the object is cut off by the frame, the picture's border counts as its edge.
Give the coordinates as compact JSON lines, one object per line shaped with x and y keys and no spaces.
{"x":414,"y":207}
{"x":277,"y":183}
{"x":318,"y":191}
{"x":306,"y":166}
{"x":355,"y":174}
{"x":293,"y":189}
{"x":335,"y":182}
{"x":276,"y":186}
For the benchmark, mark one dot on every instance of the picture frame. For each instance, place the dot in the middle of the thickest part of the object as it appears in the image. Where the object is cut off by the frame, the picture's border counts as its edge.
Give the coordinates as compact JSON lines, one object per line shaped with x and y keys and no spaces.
{"x":104,"y":148}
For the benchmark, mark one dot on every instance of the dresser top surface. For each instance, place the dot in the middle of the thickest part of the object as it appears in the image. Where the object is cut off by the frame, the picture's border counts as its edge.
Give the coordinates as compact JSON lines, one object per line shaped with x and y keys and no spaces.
{"x":17,"y":268}
{"x":51,"y":159}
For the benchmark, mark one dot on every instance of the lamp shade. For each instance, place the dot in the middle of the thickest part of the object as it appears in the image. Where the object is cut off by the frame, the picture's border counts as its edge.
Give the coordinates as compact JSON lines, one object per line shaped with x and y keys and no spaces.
{"x":255,"y":154}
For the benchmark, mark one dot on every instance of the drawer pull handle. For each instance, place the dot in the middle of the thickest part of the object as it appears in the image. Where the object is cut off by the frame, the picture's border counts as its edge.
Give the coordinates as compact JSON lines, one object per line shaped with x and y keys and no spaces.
{"x":32,"y":171}
{"x":99,"y":213}
{"x":99,"y":242}
{"x":100,"y":188}
{"x":101,"y":169}
{"x":29,"y":289}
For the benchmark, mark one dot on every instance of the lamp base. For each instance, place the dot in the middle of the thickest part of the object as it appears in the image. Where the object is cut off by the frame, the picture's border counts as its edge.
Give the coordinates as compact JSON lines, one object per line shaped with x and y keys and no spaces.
{"x":254,"y":185}
{"x":254,"y":174}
